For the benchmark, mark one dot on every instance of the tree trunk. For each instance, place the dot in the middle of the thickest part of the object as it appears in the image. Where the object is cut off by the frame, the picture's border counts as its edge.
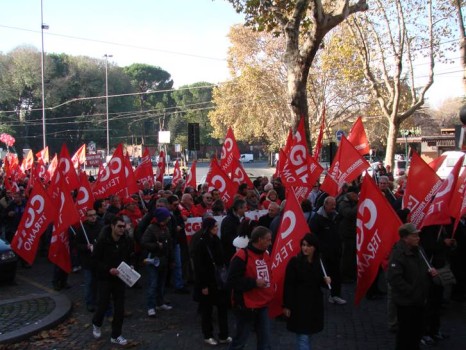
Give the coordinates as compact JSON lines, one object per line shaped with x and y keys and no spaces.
{"x":393,"y":129}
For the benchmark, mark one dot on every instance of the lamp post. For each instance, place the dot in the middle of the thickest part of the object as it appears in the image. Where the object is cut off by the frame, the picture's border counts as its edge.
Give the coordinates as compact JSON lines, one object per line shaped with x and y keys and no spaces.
{"x":406,"y":133}
{"x":42,"y":59}
{"x":107,"y":56}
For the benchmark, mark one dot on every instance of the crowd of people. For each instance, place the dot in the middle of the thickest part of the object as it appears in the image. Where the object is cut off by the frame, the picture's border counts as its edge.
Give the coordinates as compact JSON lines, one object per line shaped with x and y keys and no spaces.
{"x":229,"y":264}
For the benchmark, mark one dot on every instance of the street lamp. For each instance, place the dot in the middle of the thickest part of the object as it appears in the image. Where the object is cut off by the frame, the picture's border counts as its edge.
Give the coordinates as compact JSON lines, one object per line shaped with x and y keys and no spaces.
{"x":406,"y":133}
{"x":42,"y":59}
{"x":106,"y":100}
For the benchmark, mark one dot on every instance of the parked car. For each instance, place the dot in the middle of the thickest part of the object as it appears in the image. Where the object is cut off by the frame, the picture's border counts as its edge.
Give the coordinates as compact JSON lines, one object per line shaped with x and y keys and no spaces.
{"x":447,"y":165}
{"x":399,"y":168}
{"x":8,"y":262}
{"x":247,"y":158}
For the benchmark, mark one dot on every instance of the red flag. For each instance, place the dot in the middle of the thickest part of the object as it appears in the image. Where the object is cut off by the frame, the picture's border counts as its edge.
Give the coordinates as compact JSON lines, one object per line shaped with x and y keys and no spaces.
{"x":437,"y":162}
{"x":358,"y":137}
{"x":320,"y":137}
{"x":437,"y":212}
{"x":191,"y":177}
{"x":84,"y":198}
{"x":52,"y":167}
{"x":289,"y":141}
{"x":79,"y":157}
{"x":346,"y":167}
{"x":293,"y":227}
{"x":218,"y":179}
{"x":282,"y":158}
{"x":131,"y":185}
{"x":160,"y":171}
{"x":27,"y":162}
{"x":113,"y":178}
{"x":297,"y":173}
{"x":66,"y":169}
{"x":377,"y":231}
{"x":144,"y":172}
{"x":239,"y":175}
{"x":44,"y":155}
{"x":230,"y":151}
{"x":422,"y":184}
{"x":66,"y":215}
{"x":454,"y":208}
{"x":176,"y":173}
{"x":38,"y":215}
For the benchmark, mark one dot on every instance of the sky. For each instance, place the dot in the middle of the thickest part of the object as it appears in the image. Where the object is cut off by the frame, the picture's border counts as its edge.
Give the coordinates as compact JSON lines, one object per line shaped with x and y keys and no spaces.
{"x":187,"y":38}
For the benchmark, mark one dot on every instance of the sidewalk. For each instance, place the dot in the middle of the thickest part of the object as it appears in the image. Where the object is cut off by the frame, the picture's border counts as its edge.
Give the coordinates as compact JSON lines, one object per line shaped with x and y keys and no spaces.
{"x":63,"y":322}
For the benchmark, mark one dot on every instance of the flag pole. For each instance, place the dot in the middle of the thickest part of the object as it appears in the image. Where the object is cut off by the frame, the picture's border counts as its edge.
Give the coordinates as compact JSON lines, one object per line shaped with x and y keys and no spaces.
{"x":84,"y":231}
{"x":325,"y":273}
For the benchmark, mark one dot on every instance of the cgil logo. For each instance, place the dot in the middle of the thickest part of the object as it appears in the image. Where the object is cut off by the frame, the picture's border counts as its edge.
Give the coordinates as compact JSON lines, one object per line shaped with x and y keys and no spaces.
{"x":289,"y":220}
{"x":227,"y":147}
{"x":83,"y":195}
{"x":36,"y":207}
{"x":114,"y":167}
{"x":366,"y":206}
{"x":218,"y":179}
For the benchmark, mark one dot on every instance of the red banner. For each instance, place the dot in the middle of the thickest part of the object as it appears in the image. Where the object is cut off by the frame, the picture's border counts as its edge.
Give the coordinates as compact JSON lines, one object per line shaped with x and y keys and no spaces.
{"x":144,"y":172}
{"x":52,"y":167}
{"x":66,"y":169}
{"x":161,"y":165}
{"x":377,"y":231}
{"x":79,"y":157}
{"x":423,"y":183}
{"x":293,"y":227}
{"x":239,"y":175}
{"x":437,"y":213}
{"x":218,"y":179}
{"x":38,"y":215}
{"x":346,"y":167}
{"x":230,"y":151}
{"x":84,"y":198}
{"x":112,"y":179}
{"x":191,"y":177}
{"x":176,"y":174}
{"x":358,"y":137}
{"x":27,"y":162}
{"x":44,"y":154}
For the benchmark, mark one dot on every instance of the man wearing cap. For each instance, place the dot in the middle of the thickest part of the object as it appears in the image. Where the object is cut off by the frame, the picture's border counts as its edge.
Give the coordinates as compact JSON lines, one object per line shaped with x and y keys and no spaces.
{"x":348,"y":210}
{"x":156,"y":241}
{"x":409,"y":277}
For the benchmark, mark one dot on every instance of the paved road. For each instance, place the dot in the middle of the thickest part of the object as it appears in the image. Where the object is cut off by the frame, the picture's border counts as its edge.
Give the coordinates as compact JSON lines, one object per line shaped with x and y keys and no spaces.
{"x":346,"y":327}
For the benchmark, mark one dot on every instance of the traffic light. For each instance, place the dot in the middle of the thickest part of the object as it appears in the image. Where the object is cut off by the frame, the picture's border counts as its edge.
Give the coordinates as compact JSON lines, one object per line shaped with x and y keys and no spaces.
{"x":193,"y":137}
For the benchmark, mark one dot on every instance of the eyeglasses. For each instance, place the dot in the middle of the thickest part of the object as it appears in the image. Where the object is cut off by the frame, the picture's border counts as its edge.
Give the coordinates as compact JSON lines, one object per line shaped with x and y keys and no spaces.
{"x":121,"y":226}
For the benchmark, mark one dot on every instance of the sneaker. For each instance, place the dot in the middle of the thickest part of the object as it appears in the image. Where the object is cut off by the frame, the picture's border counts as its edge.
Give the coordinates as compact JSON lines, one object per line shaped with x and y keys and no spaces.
{"x":210,"y":341}
{"x":427,"y":340}
{"x":227,"y":340}
{"x":120,"y":340}
{"x":164,"y":307}
{"x":151,"y":312}
{"x":96,"y":332}
{"x":336,"y":300}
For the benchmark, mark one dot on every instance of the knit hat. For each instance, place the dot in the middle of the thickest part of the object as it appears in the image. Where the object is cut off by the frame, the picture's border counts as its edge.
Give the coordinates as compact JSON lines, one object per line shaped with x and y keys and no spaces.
{"x":407,"y":229}
{"x":161,"y":214}
{"x":208,"y":223}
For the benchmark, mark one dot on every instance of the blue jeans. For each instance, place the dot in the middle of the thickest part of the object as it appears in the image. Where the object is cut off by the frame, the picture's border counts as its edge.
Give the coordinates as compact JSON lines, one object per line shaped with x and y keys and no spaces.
{"x":303,"y":341}
{"x":177,"y":273}
{"x":246,"y":320}
{"x":156,"y":286}
{"x":90,"y":287}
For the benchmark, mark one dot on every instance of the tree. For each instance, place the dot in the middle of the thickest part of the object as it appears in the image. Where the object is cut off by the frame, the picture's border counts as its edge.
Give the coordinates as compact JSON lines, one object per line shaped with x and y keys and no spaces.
{"x":389,"y":40}
{"x":147,"y":79}
{"x":304,"y":24}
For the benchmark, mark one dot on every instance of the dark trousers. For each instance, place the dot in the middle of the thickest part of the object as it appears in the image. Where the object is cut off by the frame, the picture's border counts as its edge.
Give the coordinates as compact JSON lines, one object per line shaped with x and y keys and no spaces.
{"x":348,"y":260}
{"x":114,"y":289}
{"x":410,"y":327}
{"x":248,"y":320}
{"x":433,"y":310}
{"x":332,"y":267}
{"x":206,"y":309}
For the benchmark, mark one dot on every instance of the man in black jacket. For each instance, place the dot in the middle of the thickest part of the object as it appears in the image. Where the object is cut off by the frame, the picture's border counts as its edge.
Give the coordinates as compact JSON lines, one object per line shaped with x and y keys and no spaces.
{"x":85,"y":242}
{"x":409,"y":277}
{"x":112,"y":247}
{"x":229,"y":228}
{"x":325,"y":226}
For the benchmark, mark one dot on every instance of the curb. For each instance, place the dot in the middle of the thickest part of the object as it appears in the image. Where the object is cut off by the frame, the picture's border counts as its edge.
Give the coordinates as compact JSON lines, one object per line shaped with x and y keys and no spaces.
{"x":61,"y":311}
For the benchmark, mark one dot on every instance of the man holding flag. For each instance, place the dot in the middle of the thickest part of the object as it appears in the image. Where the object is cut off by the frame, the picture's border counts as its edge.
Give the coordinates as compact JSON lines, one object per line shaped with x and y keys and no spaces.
{"x":409,"y":277}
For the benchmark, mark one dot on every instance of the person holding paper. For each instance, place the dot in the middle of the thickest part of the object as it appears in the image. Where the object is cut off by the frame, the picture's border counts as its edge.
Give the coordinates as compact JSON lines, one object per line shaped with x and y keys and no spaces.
{"x":112,"y":248}
{"x":303,"y":302}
